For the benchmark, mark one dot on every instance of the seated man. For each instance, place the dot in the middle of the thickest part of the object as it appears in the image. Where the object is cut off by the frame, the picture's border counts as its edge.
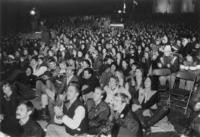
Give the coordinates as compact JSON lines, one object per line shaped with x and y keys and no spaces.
{"x":30,"y":127}
{"x":121,"y":116}
{"x":9,"y":101}
{"x":71,"y":115}
{"x":170,"y":61}
{"x":88,"y":83}
{"x":98,"y":113}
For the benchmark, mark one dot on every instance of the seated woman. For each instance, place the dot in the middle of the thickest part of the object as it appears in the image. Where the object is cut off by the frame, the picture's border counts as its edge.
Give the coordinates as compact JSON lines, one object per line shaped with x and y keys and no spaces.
{"x":146,"y":105}
{"x":112,"y":88}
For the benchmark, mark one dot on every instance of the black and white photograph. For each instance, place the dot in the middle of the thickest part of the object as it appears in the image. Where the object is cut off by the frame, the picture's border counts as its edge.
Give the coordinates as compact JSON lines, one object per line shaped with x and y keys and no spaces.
{"x":99,"y":68}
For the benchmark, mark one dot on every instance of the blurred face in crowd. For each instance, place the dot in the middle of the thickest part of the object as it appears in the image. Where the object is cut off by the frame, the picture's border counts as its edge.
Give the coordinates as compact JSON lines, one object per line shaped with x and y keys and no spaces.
{"x":124,"y":64}
{"x":146,"y":55}
{"x":113,"y":83}
{"x":63,"y":66}
{"x":147,"y":83}
{"x":74,"y":53}
{"x":28,"y":71}
{"x":184,"y":42}
{"x":86,"y":74}
{"x":80,"y":54}
{"x":52,"y":65}
{"x":189,"y":58}
{"x":97,"y":95}
{"x":25,"y":52}
{"x":113,"y":68}
{"x":50,"y":53}
{"x":72,"y":93}
{"x":118,"y":56}
{"x":85,"y":64}
{"x":17,"y":54}
{"x":104,"y":51}
{"x":22,"y":112}
{"x":33,"y":62}
{"x":7,"y":90}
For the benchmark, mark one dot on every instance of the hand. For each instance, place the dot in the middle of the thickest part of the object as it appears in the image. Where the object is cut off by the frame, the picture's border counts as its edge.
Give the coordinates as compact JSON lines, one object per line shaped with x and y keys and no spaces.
{"x":57,"y":120}
{"x":146,"y":113}
{"x":135,"y":107}
{"x":159,"y":65}
{"x":85,"y":87}
{"x":58,"y":111}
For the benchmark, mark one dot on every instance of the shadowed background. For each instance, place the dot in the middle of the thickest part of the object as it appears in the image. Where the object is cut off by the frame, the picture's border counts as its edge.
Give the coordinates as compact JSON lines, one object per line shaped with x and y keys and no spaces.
{"x":15,"y":13}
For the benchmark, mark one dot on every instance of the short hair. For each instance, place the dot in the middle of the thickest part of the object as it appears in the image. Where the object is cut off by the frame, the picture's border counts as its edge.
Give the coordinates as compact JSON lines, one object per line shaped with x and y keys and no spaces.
{"x":75,"y":85}
{"x":29,"y":105}
{"x":89,"y":70}
{"x":30,"y":69}
{"x":87,"y":62}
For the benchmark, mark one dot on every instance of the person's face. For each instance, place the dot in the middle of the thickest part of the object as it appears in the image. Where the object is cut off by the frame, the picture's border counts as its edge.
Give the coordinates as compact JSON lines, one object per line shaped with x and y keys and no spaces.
{"x":86,"y":56}
{"x":133,"y":67}
{"x":118,"y":56}
{"x":52,"y":65}
{"x":80,"y":54}
{"x":50,"y":53}
{"x":84,"y":64}
{"x":112,"y":83}
{"x":62,"y":65}
{"x":113,"y":68}
{"x":97,"y":95}
{"x":104,"y":51}
{"x":7,"y":89}
{"x":147,"y":83}
{"x":178,"y":43}
{"x":33,"y":62}
{"x":184,"y":42}
{"x":71,"y":93}
{"x":113,"y":51}
{"x":22,"y":112}
{"x":87,"y":75}
{"x":28,"y":71}
{"x":25,"y":52}
{"x":197,"y":106}
{"x":138,"y":73}
{"x":146,"y":55}
{"x":124,"y":64}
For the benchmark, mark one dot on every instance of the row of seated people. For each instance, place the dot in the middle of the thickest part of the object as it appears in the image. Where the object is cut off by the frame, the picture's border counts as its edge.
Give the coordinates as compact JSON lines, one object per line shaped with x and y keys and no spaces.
{"x":99,"y":113}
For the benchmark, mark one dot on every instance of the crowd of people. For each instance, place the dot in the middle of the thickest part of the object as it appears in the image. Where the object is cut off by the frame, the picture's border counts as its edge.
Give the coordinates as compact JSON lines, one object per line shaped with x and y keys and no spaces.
{"x":92,"y":79}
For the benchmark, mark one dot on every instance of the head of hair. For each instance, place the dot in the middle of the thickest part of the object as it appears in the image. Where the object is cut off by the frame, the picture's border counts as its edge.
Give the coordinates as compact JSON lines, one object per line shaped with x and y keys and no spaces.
{"x":89,"y":70}
{"x":29,"y":106}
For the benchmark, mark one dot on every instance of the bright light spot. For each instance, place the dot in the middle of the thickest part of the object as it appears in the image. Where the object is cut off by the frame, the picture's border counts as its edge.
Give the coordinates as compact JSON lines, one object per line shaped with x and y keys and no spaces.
{"x":32,"y":12}
{"x":119,"y":11}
